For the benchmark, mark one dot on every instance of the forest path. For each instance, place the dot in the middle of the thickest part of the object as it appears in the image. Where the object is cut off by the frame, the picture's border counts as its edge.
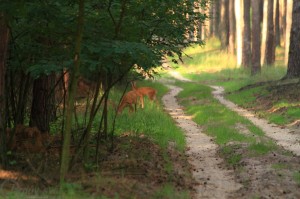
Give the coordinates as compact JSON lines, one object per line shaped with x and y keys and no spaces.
{"x":265,"y":176}
{"x":282,"y":136}
{"x":213,"y":181}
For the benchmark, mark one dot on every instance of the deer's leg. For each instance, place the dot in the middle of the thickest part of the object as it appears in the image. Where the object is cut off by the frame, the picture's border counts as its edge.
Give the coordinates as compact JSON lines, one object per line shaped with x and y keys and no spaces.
{"x":142,"y":101}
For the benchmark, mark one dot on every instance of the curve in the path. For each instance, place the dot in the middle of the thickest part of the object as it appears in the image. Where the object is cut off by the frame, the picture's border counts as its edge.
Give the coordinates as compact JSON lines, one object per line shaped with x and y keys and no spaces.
{"x":282,"y":136}
{"x":213,"y":181}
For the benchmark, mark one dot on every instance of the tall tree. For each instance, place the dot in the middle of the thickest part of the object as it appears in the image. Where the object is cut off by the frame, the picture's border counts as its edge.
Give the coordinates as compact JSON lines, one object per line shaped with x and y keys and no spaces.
{"x":246,"y":47}
{"x":239,"y":30}
{"x":282,"y":21}
{"x":276,"y":23}
{"x":268,"y":39}
{"x":224,"y":24}
{"x":65,"y":157}
{"x":232,"y":32}
{"x":4,"y":38}
{"x":256,"y":31}
{"x":215,"y":17}
{"x":289,"y":16}
{"x":294,"y":52}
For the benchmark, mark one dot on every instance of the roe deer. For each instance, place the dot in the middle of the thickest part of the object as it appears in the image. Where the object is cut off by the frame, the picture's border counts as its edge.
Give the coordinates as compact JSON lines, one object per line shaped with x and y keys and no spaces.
{"x":142,"y":91}
{"x":128,"y":99}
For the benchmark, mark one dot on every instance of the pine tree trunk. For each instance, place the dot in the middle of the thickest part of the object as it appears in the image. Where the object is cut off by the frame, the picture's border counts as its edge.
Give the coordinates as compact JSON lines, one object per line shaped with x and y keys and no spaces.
{"x":268,"y":40}
{"x":216,"y":18}
{"x":239,"y":30}
{"x":256,"y":31}
{"x":65,"y":157}
{"x":289,"y":10}
{"x":4,"y":39}
{"x":224,"y":24}
{"x":232,"y":32}
{"x":41,"y":109}
{"x":276,"y":23}
{"x":246,"y":54}
{"x":294,"y":52}
{"x":282,"y":21}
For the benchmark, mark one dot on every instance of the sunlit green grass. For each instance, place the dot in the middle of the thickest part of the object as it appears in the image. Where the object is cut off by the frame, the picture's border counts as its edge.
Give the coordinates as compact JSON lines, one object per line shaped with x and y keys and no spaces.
{"x":152,"y":121}
{"x":221,"y":123}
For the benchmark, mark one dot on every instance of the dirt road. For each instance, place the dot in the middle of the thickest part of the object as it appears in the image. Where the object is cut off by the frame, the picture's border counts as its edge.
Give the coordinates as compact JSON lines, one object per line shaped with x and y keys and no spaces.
{"x":268,"y":176}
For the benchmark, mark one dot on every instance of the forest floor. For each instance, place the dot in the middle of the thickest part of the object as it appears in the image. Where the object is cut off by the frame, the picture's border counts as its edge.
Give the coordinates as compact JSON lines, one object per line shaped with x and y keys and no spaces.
{"x":266,"y":176}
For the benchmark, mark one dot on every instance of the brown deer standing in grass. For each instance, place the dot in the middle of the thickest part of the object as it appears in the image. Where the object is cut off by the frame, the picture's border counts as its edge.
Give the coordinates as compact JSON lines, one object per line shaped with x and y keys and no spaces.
{"x":129,"y":99}
{"x":142,"y":91}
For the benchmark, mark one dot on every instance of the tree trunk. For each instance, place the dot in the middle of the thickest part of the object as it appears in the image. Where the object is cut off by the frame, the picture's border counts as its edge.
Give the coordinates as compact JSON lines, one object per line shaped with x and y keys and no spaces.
{"x":41,"y":109}
{"x":216,"y":18}
{"x":4,"y":39}
{"x":65,"y":157}
{"x":276,"y":23}
{"x":294,"y":52}
{"x":246,"y":54}
{"x":224,"y":21}
{"x":232,"y":32}
{"x":282,"y":20}
{"x":268,"y":40}
{"x":239,"y":29}
{"x":256,"y":30}
{"x":289,"y":10}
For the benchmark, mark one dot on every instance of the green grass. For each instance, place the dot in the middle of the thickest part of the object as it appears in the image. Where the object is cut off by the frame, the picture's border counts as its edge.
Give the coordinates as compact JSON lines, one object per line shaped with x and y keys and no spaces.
{"x":152,"y":121}
{"x":297,"y":177}
{"x":212,"y":114}
{"x":168,"y":192}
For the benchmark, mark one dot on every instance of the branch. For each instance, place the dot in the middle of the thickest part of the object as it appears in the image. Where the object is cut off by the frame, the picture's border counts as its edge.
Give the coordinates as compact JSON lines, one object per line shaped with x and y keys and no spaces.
{"x":109,"y":12}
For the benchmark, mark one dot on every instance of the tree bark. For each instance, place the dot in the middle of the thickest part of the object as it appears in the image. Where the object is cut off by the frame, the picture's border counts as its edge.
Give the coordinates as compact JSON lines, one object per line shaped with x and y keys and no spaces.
{"x":41,"y":109}
{"x":65,"y":157}
{"x":246,"y":54}
{"x":293,"y":70}
{"x":239,"y":29}
{"x":256,"y":31}
{"x":215,"y":18}
{"x":276,"y":23}
{"x":4,"y":39}
{"x":282,"y":21}
{"x":289,"y":10}
{"x":224,"y":24}
{"x":232,"y":32}
{"x":268,"y":40}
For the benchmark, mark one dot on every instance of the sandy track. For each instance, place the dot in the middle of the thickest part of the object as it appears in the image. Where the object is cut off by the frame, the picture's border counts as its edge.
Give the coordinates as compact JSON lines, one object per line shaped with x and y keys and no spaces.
{"x":282,"y":136}
{"x":212,"y":180}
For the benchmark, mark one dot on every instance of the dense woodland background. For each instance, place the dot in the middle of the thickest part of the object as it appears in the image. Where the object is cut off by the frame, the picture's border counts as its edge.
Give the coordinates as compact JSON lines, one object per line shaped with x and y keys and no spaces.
{"x":52,"y":53}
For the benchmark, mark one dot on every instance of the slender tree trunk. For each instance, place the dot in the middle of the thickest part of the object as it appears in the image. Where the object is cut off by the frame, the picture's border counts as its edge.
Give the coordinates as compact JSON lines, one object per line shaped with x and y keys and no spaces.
{"x":246,"y":55}
{"x":256,"y":31}
{"x":268,"y":41}
{"x":282,"y":21}
{"x":4,"y":39}
{"x":65,"y":158}
{"x":224,"y":24}
{"x":239,"y":30}
{"x":276,"y":23}
{"x":289,"y":10}
{"x":232,"y":32}
{"x":294,"y":52}
{"x":216,"y":18}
